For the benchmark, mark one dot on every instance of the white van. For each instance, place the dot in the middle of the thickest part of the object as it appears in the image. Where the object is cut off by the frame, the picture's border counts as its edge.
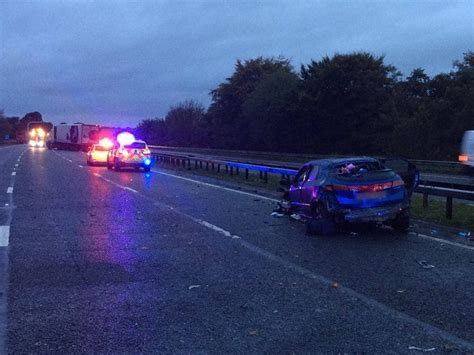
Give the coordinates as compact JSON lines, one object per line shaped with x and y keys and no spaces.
{"x":467,"y":150}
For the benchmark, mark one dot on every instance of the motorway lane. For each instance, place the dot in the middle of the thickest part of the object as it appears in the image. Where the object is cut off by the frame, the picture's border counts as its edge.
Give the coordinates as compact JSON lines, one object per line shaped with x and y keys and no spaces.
{"x":378,"y":264}
{"x":98,"y":267}
{"x":11,"y":158}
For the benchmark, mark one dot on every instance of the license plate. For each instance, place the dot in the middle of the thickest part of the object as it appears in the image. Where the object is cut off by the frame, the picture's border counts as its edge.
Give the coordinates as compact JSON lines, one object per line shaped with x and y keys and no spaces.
{"x":370,"y":195}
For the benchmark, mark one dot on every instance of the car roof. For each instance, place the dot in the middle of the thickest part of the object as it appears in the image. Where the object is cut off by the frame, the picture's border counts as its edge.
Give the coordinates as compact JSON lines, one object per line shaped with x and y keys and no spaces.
{"x":336,"y":161}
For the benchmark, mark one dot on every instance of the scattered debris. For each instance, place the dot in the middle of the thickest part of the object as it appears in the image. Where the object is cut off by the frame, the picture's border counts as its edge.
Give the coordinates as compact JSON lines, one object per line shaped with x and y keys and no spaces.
{"x":401,"y":291}
{"x":421,"y":349}
{"x":335,"y":285}
{"x":193,"y":286}
{"x":296,"y":217}
{"x":253,"y":332}
{"x":256,"y":200}
{"x":276,"y":214}
{"x":235,"y":237}
{"x":466,"y":235}
{"x":354,"y":234}
{"x":434,"y":232}
{"x":425,"y":264}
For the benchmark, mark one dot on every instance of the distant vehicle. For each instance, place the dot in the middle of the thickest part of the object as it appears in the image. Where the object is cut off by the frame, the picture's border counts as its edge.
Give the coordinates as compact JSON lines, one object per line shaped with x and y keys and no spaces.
{"x":328,"y":192}
{"x":467,"y":151}
{"x":77,"y":136}
{"x":97,"y":154}
{"x":129,"y":152}
{"x":38,"y":133}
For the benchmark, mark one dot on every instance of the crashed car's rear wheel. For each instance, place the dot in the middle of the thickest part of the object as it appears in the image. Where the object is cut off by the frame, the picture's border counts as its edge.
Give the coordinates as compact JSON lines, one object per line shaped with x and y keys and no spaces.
{"x":401,"y":223}
{"x":321,"y":222}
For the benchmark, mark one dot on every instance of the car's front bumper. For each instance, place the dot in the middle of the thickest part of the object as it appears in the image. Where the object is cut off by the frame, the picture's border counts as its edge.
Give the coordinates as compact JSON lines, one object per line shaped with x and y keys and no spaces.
{"x":374,"y":214}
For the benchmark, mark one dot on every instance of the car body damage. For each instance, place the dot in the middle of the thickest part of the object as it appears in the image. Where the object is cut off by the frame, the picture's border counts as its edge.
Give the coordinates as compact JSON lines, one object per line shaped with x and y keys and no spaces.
{"x":357,"y":189}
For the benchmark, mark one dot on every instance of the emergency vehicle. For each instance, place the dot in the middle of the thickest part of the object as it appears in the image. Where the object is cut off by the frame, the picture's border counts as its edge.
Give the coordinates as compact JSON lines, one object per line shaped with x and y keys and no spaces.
{"x":129,"y":152}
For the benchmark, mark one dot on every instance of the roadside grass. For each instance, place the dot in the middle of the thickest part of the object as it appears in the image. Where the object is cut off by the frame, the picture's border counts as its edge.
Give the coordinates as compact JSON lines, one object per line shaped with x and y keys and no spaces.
{"x":463,"y":214}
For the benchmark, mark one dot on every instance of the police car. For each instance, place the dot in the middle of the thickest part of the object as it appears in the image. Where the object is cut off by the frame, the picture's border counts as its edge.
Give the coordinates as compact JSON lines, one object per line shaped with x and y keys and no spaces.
{"x":129,"y":152}
{"x":97,"y":154}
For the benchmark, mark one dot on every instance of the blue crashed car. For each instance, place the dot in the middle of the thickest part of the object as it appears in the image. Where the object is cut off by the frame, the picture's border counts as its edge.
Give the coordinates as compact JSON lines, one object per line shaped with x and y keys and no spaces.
{"x":358,"y":189}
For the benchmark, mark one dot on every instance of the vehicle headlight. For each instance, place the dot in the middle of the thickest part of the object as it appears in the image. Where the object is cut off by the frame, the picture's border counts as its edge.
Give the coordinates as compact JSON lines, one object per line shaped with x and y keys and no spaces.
{"x":32,"y":143}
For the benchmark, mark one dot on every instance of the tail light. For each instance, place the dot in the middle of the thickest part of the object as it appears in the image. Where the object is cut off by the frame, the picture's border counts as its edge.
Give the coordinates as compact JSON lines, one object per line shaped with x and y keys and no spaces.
{"x":463,"y":158}
{"x":366,"y":188}
{"x":398,"y":182}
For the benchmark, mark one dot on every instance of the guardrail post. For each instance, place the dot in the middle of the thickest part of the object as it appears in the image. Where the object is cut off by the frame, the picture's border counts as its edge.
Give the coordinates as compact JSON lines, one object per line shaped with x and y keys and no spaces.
{"x":218,"y":168}
{"x":265,"y":177}
{"x":189,"y":164}
{"x":237,"y":170}
{"x":261,"y":174}
{"x":231,"y":170}
{"x":200,"y":164}
{"x":212,"y":166}
{"x":195,"y":164}
{"x":226,"y":169}
{"x":247,"y":174}
{"x":449,"y":207}
{"x":425,"y":200}
{"x":207,"y":165}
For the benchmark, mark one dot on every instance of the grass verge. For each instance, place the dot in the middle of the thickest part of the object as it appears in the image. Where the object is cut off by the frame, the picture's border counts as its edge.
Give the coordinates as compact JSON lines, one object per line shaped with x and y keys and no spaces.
{"x":463,"y":214}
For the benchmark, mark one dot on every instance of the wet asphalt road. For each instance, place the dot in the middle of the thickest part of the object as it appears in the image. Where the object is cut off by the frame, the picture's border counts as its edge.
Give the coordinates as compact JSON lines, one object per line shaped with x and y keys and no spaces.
{"x":100,"y":261}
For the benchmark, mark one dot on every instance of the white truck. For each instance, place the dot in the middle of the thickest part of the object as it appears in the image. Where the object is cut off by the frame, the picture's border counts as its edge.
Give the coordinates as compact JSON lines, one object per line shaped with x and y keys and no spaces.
{"x":467,"y":151}
{"x":77,"y":136}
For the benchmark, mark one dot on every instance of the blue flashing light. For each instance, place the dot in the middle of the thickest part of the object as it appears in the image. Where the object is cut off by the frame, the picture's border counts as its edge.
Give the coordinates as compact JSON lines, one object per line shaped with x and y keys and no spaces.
{"x":147,"y":161}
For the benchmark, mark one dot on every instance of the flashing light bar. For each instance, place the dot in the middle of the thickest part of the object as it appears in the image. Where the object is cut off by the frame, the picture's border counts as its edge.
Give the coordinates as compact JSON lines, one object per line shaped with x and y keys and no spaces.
{"x":125,"y":138}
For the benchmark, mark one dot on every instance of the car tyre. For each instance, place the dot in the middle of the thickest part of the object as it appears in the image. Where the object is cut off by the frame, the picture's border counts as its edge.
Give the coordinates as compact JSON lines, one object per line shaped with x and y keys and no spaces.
{"x":321,"y":222}
{"x":401,"y":223}
{"x":117,"y":165}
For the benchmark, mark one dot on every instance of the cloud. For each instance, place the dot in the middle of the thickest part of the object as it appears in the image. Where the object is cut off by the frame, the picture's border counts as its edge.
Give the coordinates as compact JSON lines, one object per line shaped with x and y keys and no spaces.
{"x":122,"y":61}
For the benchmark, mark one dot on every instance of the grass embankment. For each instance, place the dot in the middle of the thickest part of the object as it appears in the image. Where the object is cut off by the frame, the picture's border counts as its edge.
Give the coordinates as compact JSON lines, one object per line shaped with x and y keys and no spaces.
{"x":463,"y":213}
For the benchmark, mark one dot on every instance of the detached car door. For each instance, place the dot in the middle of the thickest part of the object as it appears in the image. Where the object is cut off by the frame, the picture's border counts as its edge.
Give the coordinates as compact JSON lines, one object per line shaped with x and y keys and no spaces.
{"x":296,"y":192}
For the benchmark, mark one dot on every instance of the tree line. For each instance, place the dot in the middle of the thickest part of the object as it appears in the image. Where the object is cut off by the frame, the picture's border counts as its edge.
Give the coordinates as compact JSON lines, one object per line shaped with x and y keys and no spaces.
{"x":345,"y":104}
{"x":11,"y":126}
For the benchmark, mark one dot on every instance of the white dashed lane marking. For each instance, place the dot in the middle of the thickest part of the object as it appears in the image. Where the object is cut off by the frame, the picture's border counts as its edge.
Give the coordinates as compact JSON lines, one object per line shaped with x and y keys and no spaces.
{"x":4,"y":235}
{"x":10,"y":190}
{"x":14,"y":173}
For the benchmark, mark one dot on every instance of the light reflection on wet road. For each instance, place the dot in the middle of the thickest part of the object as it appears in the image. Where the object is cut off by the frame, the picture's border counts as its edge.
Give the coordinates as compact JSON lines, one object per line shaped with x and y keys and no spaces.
{"x":96,"y":267}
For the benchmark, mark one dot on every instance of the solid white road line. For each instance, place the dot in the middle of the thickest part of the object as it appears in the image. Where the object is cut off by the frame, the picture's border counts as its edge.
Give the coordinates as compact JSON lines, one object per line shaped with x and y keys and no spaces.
{"x":440,"y":240}
{"x":275,"y":200}
{"x":129,"y":189}
{"x":10,"y":190}
{"x":384,"y":309}
{"x":216,"y":186}
{"x":4,"y":235}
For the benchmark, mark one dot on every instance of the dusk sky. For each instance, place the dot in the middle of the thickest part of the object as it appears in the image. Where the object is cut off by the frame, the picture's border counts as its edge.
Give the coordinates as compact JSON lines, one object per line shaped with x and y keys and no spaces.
{"x":118,"y":62}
